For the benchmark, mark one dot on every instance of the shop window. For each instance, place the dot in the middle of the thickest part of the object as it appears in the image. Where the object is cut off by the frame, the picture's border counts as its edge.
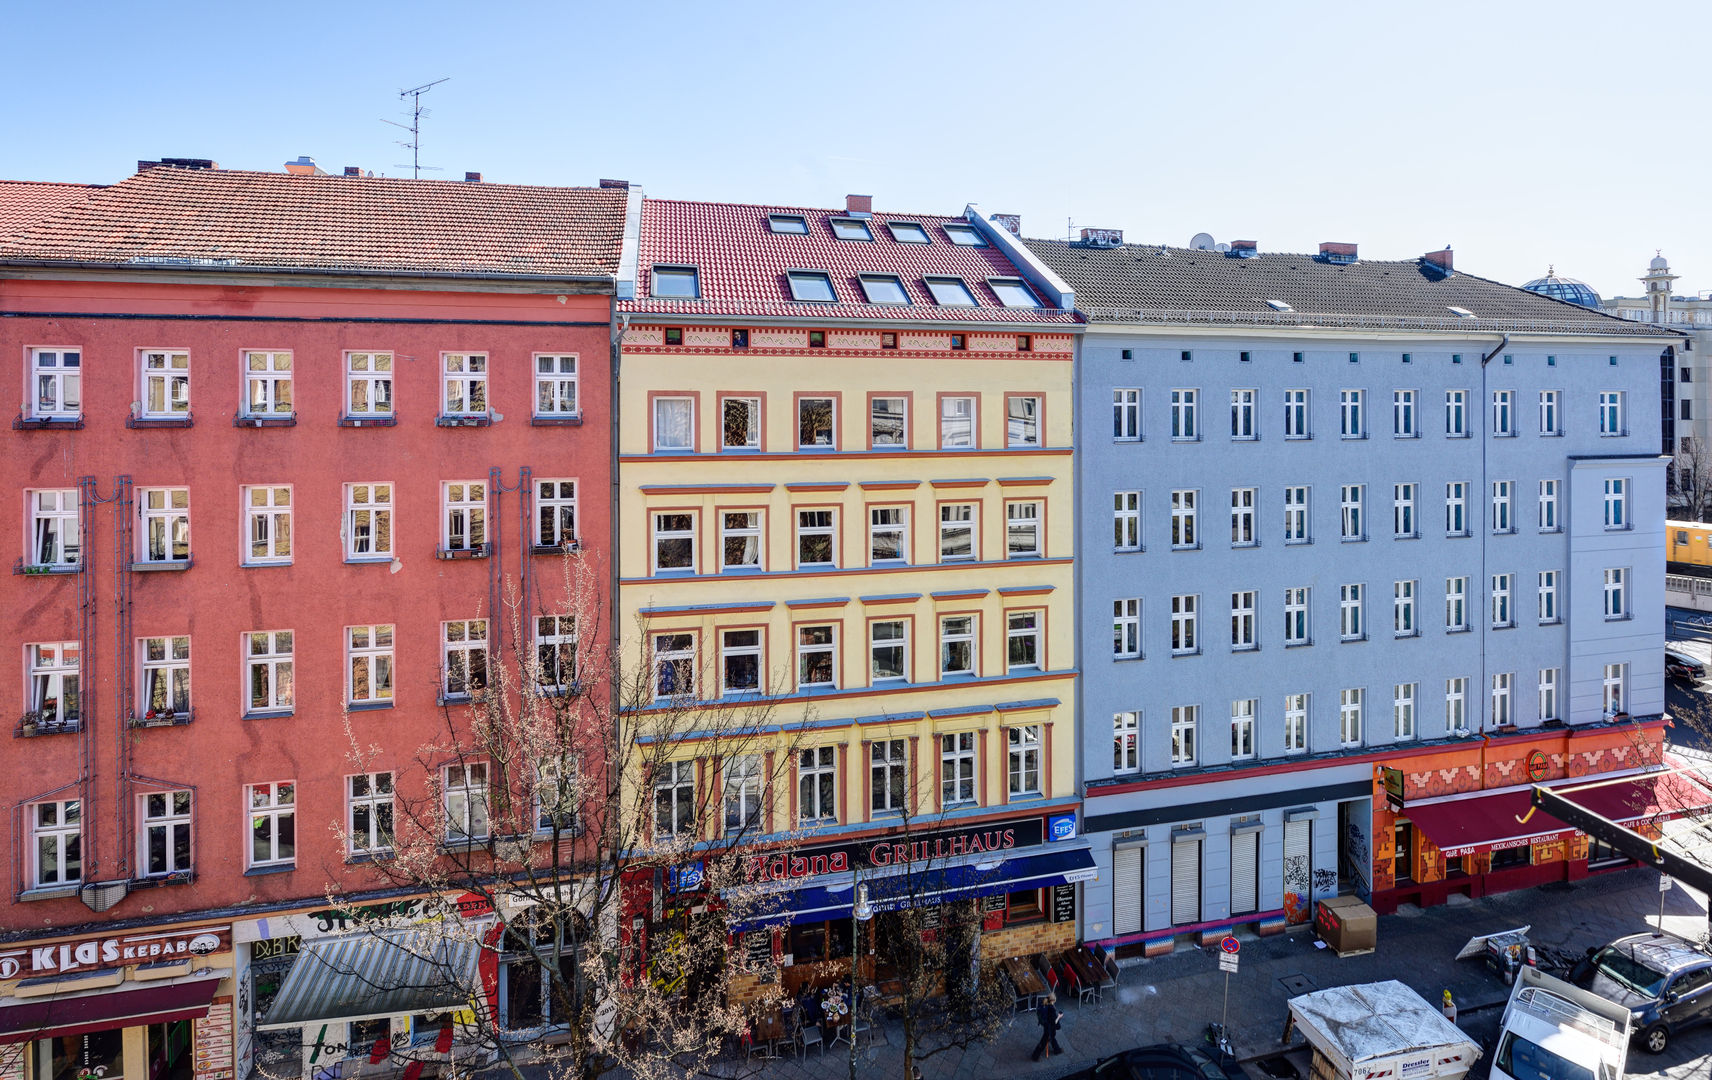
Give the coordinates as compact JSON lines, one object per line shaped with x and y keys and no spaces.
{"x":1512,"y":857}
{"x":1601,"y":855}
{"x":820,"y":941}
{"x":1024,"y":906}
{"x":99,"y":1053}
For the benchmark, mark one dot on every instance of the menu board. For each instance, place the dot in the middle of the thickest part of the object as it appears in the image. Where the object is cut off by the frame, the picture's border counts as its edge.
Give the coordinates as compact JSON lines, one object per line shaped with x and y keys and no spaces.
{"x":1064,"y":903}
{"x":212,"y":1041}
{"x":991,"y":904}
{"x":758,"y":947}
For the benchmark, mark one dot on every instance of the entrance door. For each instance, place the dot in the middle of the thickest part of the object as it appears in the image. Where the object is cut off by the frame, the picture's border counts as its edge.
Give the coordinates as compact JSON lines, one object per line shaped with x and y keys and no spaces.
{"x":1298,"y":868}
{"x":1245,"y":872}
{"x":169,"y":1051}
{"x":1185,"y":881}
{"x":1403,"y":866}
{"x":1127,"y":867}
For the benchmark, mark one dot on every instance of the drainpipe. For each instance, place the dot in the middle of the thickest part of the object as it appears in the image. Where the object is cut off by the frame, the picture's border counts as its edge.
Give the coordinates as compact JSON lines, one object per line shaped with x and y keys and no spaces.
{"x":1485,"y":539}
{"x":620,"y":324}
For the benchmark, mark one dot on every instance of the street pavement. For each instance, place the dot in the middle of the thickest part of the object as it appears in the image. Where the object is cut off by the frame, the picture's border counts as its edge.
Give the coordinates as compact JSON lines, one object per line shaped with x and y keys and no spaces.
{"x":1173,"y":998}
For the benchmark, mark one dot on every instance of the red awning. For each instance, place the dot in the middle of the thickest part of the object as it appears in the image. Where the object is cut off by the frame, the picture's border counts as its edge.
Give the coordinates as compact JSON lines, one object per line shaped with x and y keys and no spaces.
{"x":1463,"y":826}
{"x":53,"y":1016}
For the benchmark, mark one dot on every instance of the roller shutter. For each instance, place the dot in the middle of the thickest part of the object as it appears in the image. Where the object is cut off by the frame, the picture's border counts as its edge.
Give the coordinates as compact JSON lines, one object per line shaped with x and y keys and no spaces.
{"x":1185,"y":881}
{"x":1298,"y":858}
{"x":1127,"y":865}
{"x":1245,"y":872}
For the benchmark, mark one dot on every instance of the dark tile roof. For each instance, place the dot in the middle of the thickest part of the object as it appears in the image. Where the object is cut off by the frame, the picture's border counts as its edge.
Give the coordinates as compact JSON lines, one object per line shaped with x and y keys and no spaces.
{"x":230,"y":219}
{"x":1149,"y":283}
{"x":741,"y":264}
{"x":25,"y":202}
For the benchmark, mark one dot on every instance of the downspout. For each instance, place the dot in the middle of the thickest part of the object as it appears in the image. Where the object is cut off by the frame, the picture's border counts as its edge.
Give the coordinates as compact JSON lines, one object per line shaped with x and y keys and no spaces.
{"x":1485,"y":540}
{"x":620,"y":324}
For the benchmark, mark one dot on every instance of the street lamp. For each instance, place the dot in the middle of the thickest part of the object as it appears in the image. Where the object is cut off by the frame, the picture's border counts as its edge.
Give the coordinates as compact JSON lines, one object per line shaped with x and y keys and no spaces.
{"x":860,"y":912}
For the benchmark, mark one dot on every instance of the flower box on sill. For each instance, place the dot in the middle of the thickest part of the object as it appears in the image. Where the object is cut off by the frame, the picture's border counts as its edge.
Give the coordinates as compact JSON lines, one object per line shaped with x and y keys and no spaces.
{"x":378,"y":420}
{"x":159,"y":421}
{"x":565,"y":548}
{"x":480,"y":551}
{"x":482,"y":420}
{"x":556,"y":421}
{"x":142,"y":566}
{"x":38,"y":722}
{"x":163,"y":719}
{"x":242,"y":420}
{"x":157,"y":881}
{"x":45,"y":569}
{"x":47,"y":423}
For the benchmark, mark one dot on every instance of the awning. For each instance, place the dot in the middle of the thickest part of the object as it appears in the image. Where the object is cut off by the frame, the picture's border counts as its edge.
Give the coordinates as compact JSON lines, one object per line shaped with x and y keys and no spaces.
{"x":49,"y":1017}
{"x":1463,"y":825}
{"x":900,"y":887}
{"x":378,"y":973}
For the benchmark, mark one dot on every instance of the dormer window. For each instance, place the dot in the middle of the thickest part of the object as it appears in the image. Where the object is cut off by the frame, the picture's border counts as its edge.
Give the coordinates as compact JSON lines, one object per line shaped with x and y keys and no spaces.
{"x":884,"y":289}
{"x":1013,"y":293}
{"x":675,"y":282}
{"x":966,"y":235}
{"x":812,"y":286}
{"x":789,"y":224}
{"x":908,"y":232}
{"x":1279,"y":305}
{"x":851,"y":229}
{"x":949,"y":292}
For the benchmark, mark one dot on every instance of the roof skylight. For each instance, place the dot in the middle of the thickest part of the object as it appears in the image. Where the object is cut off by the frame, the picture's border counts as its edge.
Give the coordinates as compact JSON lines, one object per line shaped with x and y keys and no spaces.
{"x":812,"y":286}
{"x":793,"y":224}
{"x":884,"y":289}
{"x":676,"y":282}
{"x":908,"y":232}
{"x":965,"y":235}
{"x":851,"y":229}
{"x":1013,"y":293}
{"x":1463,"y":313}
{"x":949,"y":292}
{"x":1279,"y":305}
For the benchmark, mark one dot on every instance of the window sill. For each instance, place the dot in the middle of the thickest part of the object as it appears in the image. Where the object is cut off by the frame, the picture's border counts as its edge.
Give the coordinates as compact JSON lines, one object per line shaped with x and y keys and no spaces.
{"x":1405,"y":435}
{"x":481,"y":551}
{"x":368,"y":857}
{"x":558,"y":691}
{"x":1352,"y":640}
{"x":565,"y":548}
{"x":1458,"y":630}
{"x":45,"y":569}
{"x":1298,"y":438}
{"x":390,"y":420}
{"x":47,"y":423}
{"x":1244,"y":648}
{"x":1556,"y":434}
{"x":162,"y":881}
{"x":1012,"y":557}
{"x":556,"y":421}
{"x":1505,"y":626}
{"x":1025,"y":797}
{"x":1185,"y":547}
{"x":48,"y":892}
{"x":167,"y":720}
{"x":1352,"y":438}
{"x":1503,"y":434}
{"x":1353,"y":539}
{"x":1614,"y":618}
{"x":1185,"y":652}
{"x":1127,"y":659}
{"x":1551,"y":531}
{"x":366,"y":560}
{"x":1613,"y":528}
{"x":1407,"y":536}
{"x":1185,"y":438}
{"x":241,"y":420}
{"x":149,"y":567}
{"x":463,"y":847}
{"x":263,"y":871}
{"x":263,"y":565}
{"x":1297,"y":644}
{"x":270,"y":714}
{"x":460,"y":420}
{"x":1551,"y":622}
{"x":1297,"y":543}
{"x":1406,"y":634}
{"x":367,"y":706}
{"x":159,"y":421}
{"x":27,"y":729}
{"x":1129,"y":551}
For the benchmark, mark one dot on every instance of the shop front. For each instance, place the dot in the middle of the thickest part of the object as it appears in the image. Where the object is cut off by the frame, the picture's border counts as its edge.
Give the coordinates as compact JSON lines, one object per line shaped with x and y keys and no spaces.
{"x":146,"y":1004}
{"x":1460,"y":820}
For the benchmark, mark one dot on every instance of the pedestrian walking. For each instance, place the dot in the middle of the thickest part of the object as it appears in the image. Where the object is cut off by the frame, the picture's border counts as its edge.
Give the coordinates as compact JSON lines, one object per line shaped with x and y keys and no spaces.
{"x":1050,"y":1019}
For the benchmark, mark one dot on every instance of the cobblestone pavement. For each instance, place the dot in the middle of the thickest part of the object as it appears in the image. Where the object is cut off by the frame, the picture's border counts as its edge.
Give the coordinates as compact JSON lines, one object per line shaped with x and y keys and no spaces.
{"x":1172,"y":998}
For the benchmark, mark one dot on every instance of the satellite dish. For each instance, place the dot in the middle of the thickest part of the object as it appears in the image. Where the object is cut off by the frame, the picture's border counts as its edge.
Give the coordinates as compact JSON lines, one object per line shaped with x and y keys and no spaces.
{"x":1221,"y":247}
{"x":1202,"y":242}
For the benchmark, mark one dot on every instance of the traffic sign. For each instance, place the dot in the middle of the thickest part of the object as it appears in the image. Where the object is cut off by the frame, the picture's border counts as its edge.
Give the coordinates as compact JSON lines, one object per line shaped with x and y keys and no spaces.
{"x":1664,"y":883}
{"x":1227,"y":962}
{"x":1230,"y":945}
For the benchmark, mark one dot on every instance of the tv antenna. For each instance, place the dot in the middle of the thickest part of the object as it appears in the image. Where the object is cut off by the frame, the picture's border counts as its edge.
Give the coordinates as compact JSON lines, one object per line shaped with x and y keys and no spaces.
{"x":415,"y":126}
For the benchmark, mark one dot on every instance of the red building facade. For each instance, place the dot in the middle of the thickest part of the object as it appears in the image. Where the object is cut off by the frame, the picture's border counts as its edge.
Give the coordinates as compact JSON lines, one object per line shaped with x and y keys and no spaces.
{"x":280,"y":445}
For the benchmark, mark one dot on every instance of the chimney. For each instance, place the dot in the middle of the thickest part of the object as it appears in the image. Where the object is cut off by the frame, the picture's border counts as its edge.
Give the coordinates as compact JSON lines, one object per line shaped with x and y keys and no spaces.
{"x":1443,"y":260}
{"x":177,"y":163}
{"x":622,"y":185}
{"x":472,"y":178}
{"x":1244,"y":249}
{"x":1011,"y":223}
{"x":859,"y":205}
{"x":352,"y":170}
{"x":303,"y":166}
{"x":1334,"y":252}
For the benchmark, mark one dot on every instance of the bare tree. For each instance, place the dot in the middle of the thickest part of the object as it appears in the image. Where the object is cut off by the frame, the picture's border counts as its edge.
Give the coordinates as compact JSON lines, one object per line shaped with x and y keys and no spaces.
{"x":587,"y":819}
{"x":1691,"y":480}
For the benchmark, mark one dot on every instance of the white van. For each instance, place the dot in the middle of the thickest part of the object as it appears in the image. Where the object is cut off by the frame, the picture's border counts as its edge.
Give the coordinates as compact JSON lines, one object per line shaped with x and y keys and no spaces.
{"x":1553,"y":1030}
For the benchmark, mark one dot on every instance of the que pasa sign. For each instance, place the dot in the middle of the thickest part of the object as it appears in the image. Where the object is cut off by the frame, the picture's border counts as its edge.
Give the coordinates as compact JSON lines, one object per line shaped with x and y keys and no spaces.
{"x":897,"y":850}
{"x":123,"y":950}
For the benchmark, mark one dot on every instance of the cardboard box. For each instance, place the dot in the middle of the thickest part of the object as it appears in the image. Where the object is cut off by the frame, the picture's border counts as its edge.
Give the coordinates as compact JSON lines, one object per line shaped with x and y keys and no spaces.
{"x":1347,"y":925}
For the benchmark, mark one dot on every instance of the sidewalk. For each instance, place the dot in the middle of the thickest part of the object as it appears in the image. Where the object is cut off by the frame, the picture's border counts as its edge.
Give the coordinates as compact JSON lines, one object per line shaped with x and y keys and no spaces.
{"x":1172,"y":998}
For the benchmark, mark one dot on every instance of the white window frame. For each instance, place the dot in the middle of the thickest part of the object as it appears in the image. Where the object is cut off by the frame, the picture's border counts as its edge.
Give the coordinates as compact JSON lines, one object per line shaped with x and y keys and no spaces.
{"x":1403,"y":425}
{"x":956,"y":519}
{"x":1185,"y":637}
{"x":1405,"y":522}
{"x":1022,"y":759}
{"x":1126,"y":415}
{"x":1242,"y":621}
{"x":56,"y":534}
{"x":1026,"y":630}
{"x":165,"y":514}
{"x":463,"y":659}
{"x":1503,"y":601}
{"x":463,"y":515}
{"x":1549,"y":521}
{"x":1616,"y":593}
{"x":1456,"y":604}
{"x":740,"y":775}
{"x":555,"y":653}
{"x":272,"y":809}
{"x":370,"y":796}
{"x":1126,"y":628}
{"x":740,"y":643}
{"x":888,"y":523}
{"x":464,"y":800}
{"x":1456,"y":414}
{"x":1403,"y":620}
{"x":1403,"y":711}
{"x":165,"y":816}
{"x":1242,"y":728}
{"x":1023,"y":536}
{"x":1350,"y":418}
{"x":1185,"y":425}
{"x":1351,"y":601}
{"x":368,"y":506}
{"x":957,"y":426}
{"x":556,"y":389}
{"x":751,"y":422}
{"x":813,"y":765}
{"x":1502,"y":684}
{"x":163,"y":384}
{"x":1551,"y":412}
{"x":165,"y":667}
{"x":463,"y":384}
{"x":817,"y":644}
{"x":673,"y":664}
{"x":1617,"y":504}
{"x":1350,"y":702}
{"x":1126,"y":742}
{"x":1550,"y":606}
{"x":267,"y":384}
{"x":1242,"y":414}
{"x":61,"y":834}
{"x":1184,"y":534}
{"x":1503,"y":413}
{"x":369,"y":650}
{"x":1296,"y":519}
{"x":672,"y":535}
{"x":1503,"y":507}
{"x":666,"y":424}
{"x":53,"y":382}
{"x":55,"y":672}
{"x":1297,"y":629}
{"x":814,"y":441}
{"x":269,"y":666}
{"x":1126,"y":521}
{"x":1456,"y":705}
{"x":1611,"y":413}
{"x":1022,"y":420}
{"x":1614,"y":694}
{"x":954,"y":631}
{"x":815,"y":528}
{"x":369,"y":373}
{"x":1352,"y":521}
{"x":956,"y":768}
{"x":1185,"y":720}
{"x":898,"y":645}
{"x":1243,"y":531}
{"x":555,"y":513}
{"x":676,"y":782}
{"x":1547,"y":694}
{"x":888,"y":776}
{"x":881,"y":419}
{"x":1296,"y":723}
{"x":1298,"y":420}
{"x":740,"y":534}
{"x":267,"y":520}
{"x":1457,"y":521}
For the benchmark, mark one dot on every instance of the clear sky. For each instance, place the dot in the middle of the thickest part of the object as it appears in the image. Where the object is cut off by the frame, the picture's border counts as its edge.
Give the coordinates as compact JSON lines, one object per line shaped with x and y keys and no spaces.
{"x":1522,"y":134}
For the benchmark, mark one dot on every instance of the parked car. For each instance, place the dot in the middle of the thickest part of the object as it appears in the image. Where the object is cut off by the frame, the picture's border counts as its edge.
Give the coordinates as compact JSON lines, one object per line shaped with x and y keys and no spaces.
{"x":1679,"y":665}
{"x":1162,"y":1061}
{"x":1664,"y":981}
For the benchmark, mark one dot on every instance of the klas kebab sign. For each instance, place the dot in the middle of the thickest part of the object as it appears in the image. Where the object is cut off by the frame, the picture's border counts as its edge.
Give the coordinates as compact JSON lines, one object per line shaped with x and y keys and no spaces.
{"x":905,"y":849}
{"x":121,"y":950}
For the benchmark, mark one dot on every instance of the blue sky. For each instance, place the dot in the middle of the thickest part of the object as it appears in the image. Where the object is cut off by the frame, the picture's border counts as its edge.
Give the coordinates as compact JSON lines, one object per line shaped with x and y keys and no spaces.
{"x":1521,"y":134}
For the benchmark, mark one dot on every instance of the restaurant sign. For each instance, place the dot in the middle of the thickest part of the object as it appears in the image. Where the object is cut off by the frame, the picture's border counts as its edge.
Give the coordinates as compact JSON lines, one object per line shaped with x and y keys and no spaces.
{"x":898,"y":849}
{"x":119,"y":950}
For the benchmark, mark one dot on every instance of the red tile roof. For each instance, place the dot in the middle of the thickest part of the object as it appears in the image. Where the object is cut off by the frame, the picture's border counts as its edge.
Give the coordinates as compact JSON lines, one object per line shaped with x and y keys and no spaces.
{"x":230,"y":219}
{"x":24,"y":202}
{"x":742,"y":263}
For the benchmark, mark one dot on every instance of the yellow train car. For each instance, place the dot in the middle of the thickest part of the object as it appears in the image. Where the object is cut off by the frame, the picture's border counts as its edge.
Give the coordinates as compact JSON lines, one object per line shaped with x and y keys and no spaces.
{"x":1688,"y":547}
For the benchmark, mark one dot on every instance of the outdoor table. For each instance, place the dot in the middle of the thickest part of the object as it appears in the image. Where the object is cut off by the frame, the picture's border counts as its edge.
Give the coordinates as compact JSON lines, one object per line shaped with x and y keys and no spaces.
{"x":1102,"y":977}
{"x":769,"y":1027}
{"x":1081,"y":961}
{"x":1023,"y":976}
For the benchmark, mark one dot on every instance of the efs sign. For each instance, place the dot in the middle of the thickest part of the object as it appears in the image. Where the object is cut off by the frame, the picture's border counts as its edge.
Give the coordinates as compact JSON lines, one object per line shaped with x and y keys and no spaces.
{"x":90,"y":954}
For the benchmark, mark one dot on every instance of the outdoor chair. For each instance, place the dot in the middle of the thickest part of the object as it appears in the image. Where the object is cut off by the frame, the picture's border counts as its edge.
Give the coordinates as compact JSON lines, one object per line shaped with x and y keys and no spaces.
{"x":805,"y":1036}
